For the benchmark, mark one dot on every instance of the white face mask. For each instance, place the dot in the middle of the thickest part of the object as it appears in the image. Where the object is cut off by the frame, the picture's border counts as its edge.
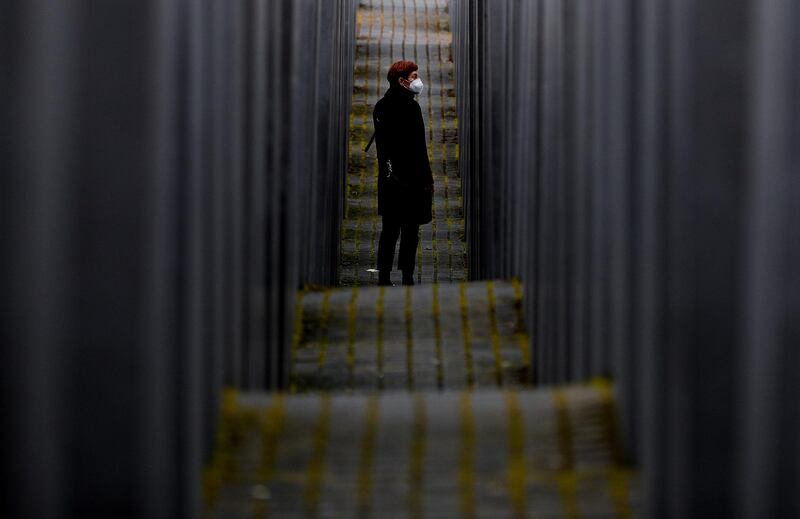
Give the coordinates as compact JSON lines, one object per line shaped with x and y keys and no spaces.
{"x":416,"y":86}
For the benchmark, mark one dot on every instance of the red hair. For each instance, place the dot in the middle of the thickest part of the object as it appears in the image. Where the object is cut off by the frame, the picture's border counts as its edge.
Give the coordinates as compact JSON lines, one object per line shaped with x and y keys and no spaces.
{"x":401,"y":69}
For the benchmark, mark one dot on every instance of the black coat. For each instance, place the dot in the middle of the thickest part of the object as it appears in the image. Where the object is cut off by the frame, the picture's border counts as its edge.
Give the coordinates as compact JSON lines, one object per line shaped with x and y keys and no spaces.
{"x":405,"y":179}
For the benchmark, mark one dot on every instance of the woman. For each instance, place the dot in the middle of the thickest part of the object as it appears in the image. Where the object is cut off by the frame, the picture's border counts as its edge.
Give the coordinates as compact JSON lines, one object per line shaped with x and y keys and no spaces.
{"x":405,"y":182}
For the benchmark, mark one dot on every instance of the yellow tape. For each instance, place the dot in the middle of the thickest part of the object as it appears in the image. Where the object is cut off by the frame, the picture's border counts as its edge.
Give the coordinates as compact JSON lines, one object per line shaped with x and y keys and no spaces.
{"x":214,"y":473}
{"x":323,"y":327}
{"x":618,"y":480}
{"x":516,"y":455}
{"x":315,"y":471}
{"x":297,"y":337}
{"x":563,"y":430}
{"x":522,"y":336}
{"x":604,"y":390}
{"x":445,"y":178}
{"x":270,"y":433}
{"x":449,"y":222}
{"x":567,"y":480}
{"x":494,"y":334}
{"x":434,"y":221}
{"x":224,"y":466}
{"x":420,"y":256}
{"x":443,"y":159}
{"x":466,"y":467}
{"x":618,"y":483}
{"x":466,"y":333}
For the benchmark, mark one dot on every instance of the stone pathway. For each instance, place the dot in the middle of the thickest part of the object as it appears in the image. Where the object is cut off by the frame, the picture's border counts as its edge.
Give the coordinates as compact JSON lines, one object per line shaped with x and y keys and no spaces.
{"x":415,"y":401}
{"x":389,"y":31}
{"x":538,"y":454}
{"x":426,"y":337}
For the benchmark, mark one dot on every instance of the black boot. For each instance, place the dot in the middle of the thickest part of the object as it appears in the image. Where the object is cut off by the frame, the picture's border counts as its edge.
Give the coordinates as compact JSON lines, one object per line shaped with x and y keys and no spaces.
{"x":408,"y":277}
{"x":385,"y":278}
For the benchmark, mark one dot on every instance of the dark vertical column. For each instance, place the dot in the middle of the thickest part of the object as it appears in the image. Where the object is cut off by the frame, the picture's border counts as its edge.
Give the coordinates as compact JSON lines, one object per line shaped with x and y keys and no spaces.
{"x":707,"y":80}
{"x":121,"y":308}
{"x":149,"y":204}
{"x":510,"y":200}
{"x":529,"y":152}
{"x":579,"y":159}
{"x":564,"y":199}
{"x":315,"y":104}
{"x":550,"y":166}
{"x":37,"y":51}
{"x":599,"y":200}
{"x":195,"y":412}
{"x":256,"y":199}
{"x":239,"y":111}
{"x":494,"y":79}
{"x":770,"y":469}
{"x":99,"y":290}
{"x":473,"y":186}
{"x":513,"y":190}
{"x":623,"y":353}
{"x":652,"y":163}
{"x":265,"y":370}
{"x":653,"y":144}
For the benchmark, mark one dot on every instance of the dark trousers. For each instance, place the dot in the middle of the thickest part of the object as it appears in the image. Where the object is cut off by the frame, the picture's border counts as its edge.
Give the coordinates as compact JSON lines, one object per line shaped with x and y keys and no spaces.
{"x":409,"y":238}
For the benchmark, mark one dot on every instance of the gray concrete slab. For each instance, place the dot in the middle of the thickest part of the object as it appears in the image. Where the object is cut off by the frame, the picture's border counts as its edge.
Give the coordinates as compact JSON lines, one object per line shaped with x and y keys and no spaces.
{"x":368,"y":338}
{"x":398,"y":454}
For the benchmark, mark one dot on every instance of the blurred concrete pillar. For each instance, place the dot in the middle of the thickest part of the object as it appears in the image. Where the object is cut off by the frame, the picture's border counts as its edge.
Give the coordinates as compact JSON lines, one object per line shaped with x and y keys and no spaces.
{"x":150,"y":156}
{"x":651,"y":143}
{"x":36,"y":126}
{"x":706,"y":166}
{"x":769,"y":484}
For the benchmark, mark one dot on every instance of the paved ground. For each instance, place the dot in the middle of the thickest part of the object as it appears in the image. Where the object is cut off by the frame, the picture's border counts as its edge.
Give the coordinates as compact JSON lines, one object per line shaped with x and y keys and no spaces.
{"x":436,"y":336}
{"x":415,"y":401}
{"x":492,"y":454}
{"x":387,"y":32}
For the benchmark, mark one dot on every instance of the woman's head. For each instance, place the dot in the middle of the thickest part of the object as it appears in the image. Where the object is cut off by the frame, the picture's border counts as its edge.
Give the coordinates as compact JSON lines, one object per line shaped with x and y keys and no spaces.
{"x":402,"y":73}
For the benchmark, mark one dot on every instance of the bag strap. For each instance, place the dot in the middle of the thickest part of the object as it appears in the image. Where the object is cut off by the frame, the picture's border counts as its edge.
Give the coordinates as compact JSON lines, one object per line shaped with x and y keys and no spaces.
{"x":377,"y":123}
{"x":370,"y":141}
